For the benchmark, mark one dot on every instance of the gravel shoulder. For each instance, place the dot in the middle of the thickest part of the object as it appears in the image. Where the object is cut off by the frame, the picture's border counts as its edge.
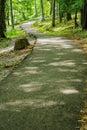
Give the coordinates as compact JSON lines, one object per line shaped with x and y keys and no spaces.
{"x":9,"y":59}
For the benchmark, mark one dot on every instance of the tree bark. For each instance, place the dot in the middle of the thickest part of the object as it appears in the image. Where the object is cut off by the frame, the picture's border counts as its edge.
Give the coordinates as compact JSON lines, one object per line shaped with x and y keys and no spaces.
{"x":53,"y":14}
{"x":68,"y":17}
{"x":51,"y":7}
{"x":42,"y":10}
{"x":2,"y":18}
{"x":58,"y":10}
{"x":75,"y":20}
{"x":84,"y":15}
{"x":35,"y":8}
{"x":12,"y":19}
{"x":8,"y":17}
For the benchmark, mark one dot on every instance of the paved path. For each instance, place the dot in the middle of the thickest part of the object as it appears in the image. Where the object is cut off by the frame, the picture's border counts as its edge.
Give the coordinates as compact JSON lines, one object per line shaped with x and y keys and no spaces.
{"x":46,"y":91}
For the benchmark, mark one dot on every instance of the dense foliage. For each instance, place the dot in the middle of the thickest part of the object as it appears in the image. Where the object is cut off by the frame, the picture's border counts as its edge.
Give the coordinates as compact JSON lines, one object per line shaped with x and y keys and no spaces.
{"x":27,"y":9}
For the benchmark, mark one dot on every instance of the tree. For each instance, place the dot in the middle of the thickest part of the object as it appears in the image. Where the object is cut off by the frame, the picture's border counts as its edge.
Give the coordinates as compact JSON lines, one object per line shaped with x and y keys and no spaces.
{"x":53,"y":13}
{"x":12,"y":19}
{"x":84,"y":15}
{"x":2,"y":18}
{"x":76,"y":7}
{"x":35,"y":7}
{"x":42,"y":10}
{"x":7,"y":13}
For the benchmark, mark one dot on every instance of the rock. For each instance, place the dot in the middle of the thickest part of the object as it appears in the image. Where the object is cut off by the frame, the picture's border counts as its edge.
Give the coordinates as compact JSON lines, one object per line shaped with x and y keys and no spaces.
{"x":21,"y":43}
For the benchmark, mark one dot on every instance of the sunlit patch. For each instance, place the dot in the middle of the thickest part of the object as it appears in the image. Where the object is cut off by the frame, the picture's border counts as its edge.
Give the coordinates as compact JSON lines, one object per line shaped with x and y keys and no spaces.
{"x":17,"y":73}
{"x":44,"y":49}
{"x":67,"y":70}
{"x":69,"y":91}
{"x":69,"y":80}
{"x":77,"y":50}
{"x":60,"y":54}
{"x":76,"y":80}
{"x":34,"y":86}
{"x":62,"y":103}
{"x":85,"y":63}
{"x":32,"y":72}
{"x":43,"y":41}
{"x":63,"y":63}
{"x":55,"y":41}
{"x":56,"y":58}
{"x":38,"y":58}
{"x":66,"y":46}
{"x":39,"y":61}
{"x":20,"y":104}
{"x":31,"y":89}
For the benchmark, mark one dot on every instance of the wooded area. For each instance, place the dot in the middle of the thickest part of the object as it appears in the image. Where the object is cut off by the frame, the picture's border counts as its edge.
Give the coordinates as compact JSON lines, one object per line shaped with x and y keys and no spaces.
{"x":13,"y":12}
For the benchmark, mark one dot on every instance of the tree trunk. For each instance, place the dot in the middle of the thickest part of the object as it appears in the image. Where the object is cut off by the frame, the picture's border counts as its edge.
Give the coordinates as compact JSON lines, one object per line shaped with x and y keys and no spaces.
{"x":42,"y":10}
{"x":68,"y":16}
{"x":75,"y":20}
{"x":50,"y":7}
{"x":12,"y":19}
{"x":8,"y":17}
{"x":61,"y":16}
{"x":58,"y":11}
{"x":53,"y":14}
{"x":2,"y":18}
{"x":84,"y":15}
{"x":81,"y":16}
{"x":35,"y":8}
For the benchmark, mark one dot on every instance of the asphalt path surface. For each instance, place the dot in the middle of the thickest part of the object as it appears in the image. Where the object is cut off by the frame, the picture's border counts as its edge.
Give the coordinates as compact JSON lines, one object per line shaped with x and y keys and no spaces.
{"x":46,"y":91}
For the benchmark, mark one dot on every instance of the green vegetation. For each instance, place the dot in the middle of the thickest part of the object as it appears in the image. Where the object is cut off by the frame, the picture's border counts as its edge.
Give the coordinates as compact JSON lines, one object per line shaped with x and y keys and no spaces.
{"x":4,"y":43}
{"x":65,"y":29}
{"x":14,"y":33}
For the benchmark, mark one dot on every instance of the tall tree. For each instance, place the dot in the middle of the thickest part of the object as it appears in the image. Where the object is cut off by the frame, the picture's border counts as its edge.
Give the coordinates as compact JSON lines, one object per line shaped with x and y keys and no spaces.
{"x":2,"y":18}
{"x":84,"y":15}
{"x":12,"y":19}
{"x":35,"y":7}
{"x":42,"y":10}
{"x":53,"y":13}
{"x":58,"y":10}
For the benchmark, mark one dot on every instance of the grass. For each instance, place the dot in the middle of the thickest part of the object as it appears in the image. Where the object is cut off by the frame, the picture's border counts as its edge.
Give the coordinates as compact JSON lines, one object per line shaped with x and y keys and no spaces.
{"x":66,"y":29}
{"x":13,"y":33}
{"x":4,"y":44}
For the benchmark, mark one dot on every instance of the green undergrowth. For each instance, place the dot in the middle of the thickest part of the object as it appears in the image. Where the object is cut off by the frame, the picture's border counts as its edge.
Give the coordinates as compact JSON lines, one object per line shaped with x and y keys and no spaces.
{"x":14,"y":33}
{"x":4,"y":43}
{"x":66,"y":29}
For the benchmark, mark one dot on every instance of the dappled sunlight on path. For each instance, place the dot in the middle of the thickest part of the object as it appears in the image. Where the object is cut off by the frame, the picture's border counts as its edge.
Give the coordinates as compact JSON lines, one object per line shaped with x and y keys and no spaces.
{"x":46,"y":91}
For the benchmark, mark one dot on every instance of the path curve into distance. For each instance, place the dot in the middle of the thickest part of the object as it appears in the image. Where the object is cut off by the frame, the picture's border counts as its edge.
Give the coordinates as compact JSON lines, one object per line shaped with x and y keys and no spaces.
{"x":45,"y":92}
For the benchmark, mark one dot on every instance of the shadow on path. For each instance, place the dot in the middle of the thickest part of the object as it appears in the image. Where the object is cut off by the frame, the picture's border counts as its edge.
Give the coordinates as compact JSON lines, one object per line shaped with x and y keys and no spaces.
{"x":46,"y":91}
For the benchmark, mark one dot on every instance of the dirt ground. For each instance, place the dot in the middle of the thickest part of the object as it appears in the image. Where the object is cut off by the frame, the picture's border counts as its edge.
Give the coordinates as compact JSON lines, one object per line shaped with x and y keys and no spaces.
{"x":10,"y":60}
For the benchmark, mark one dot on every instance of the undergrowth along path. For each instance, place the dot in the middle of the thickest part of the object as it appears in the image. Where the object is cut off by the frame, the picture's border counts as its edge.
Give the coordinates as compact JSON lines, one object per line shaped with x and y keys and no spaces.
{"x":46,"y":91}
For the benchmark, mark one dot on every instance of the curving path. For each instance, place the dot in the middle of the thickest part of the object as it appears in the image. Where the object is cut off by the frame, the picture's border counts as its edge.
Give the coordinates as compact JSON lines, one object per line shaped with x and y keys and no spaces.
{"x":46,"y":91}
